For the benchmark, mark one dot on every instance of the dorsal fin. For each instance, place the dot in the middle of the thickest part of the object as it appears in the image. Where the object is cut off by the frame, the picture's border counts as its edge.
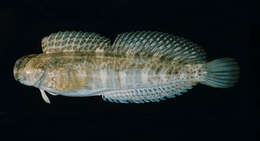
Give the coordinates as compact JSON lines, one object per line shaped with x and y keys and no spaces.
{"x":74,"y":42}
{"x":162,"y":45}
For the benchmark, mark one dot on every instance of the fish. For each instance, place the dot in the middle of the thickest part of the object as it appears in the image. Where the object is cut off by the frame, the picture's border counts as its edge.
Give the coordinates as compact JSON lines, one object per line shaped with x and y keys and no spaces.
{"x":138,"y":67}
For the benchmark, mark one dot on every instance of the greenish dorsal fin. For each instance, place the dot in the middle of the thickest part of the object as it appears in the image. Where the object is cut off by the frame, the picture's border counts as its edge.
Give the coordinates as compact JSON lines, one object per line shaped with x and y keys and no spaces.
{"x":72,"y":41}
{"x":162,"y":45}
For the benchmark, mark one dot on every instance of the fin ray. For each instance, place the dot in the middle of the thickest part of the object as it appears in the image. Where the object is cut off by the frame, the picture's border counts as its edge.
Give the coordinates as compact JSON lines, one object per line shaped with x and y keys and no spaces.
{"x":158,"y":44}
{"x":149,"y":94}
{"x":221,"y":73}
{"x":74,"y":42}
{"x":45,"y":97}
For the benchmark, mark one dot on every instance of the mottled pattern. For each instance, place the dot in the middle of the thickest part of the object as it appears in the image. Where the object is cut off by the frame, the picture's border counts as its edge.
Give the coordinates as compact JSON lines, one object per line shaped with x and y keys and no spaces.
{"x":138,"y":67}
{"x":72,"y":71}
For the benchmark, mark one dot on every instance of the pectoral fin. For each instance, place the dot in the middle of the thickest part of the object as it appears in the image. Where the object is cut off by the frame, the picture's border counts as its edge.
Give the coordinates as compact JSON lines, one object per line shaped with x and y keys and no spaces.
{"x":44,"y":96}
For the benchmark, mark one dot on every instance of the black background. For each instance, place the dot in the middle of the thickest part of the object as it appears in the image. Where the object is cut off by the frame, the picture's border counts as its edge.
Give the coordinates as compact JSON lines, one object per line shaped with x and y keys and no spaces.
{"x":223,"y":28}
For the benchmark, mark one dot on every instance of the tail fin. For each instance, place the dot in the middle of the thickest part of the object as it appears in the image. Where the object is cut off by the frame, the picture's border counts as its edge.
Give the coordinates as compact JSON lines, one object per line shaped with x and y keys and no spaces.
{"x":221,"y":73}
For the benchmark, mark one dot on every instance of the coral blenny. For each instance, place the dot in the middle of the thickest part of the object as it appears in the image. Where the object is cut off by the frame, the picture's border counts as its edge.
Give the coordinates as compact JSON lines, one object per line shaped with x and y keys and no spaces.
{"x":138,"y":67}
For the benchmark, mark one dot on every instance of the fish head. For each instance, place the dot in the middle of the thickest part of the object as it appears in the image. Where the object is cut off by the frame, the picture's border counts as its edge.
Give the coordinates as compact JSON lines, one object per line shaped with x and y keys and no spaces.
{"x":29,"y":70}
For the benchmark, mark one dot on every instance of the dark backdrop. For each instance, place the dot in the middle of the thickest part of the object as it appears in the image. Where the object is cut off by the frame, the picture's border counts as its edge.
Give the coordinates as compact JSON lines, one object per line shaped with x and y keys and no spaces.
{"x":223,"y":28}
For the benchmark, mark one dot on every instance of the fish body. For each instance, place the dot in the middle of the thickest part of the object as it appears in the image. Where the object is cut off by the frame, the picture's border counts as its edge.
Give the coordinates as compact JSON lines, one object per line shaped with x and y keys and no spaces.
{"x":138,"y":67}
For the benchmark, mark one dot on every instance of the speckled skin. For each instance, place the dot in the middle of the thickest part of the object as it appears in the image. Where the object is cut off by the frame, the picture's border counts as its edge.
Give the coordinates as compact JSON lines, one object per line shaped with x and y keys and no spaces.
{"x":66,"y":72}
{"x":138,"y":67}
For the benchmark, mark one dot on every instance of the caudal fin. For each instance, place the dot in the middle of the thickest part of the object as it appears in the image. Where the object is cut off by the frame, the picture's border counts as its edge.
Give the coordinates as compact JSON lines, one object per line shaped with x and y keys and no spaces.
{"x":221,"y":73}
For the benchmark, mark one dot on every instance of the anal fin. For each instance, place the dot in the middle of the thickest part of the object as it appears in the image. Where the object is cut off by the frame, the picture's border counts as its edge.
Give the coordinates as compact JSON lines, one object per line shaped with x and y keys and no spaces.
{"x":149,"y":94}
